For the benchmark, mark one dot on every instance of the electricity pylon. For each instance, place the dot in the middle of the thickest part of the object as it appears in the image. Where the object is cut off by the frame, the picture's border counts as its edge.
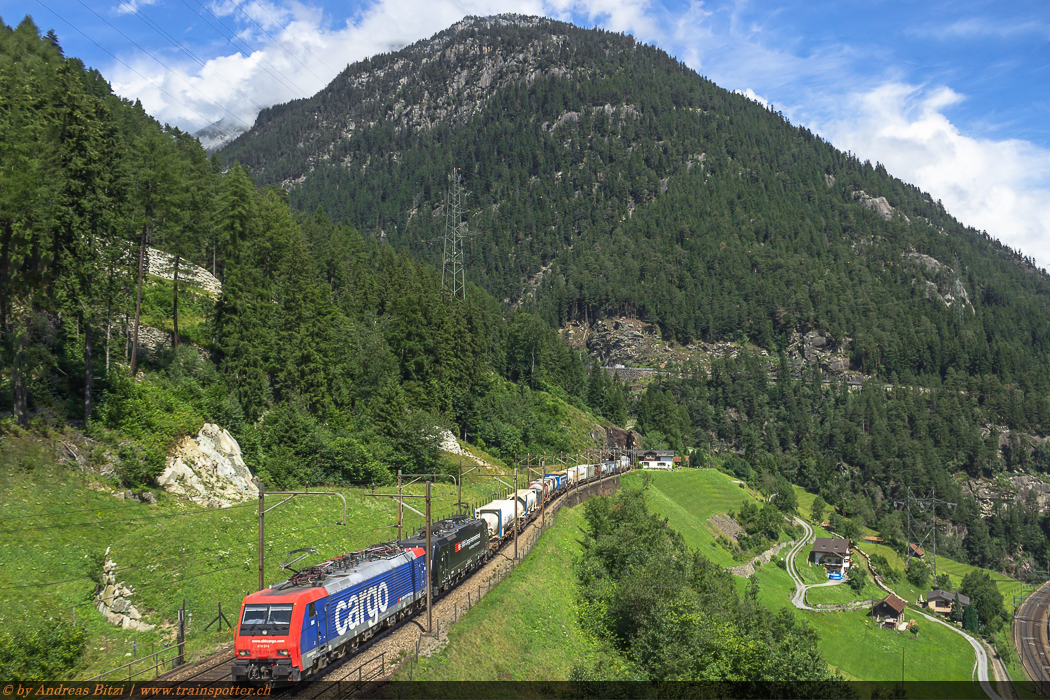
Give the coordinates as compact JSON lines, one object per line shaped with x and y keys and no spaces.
{"x":453,"y":276}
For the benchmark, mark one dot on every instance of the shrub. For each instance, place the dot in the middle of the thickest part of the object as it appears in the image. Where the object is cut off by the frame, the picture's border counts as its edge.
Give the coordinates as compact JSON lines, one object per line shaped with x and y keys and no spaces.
{"x":43,"y":653}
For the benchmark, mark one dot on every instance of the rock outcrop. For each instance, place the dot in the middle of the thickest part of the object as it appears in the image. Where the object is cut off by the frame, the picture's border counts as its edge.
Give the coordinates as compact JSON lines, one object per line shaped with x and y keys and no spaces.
{"x":209,"y":470}
{"x":447,"y":442}
{"x":161,"y":264}
{"x":945,"y":283}
{"x":113,"y":600}
{"x":622,"y":439}
{"x":1014,"y":488}
{"x":879,"y":205}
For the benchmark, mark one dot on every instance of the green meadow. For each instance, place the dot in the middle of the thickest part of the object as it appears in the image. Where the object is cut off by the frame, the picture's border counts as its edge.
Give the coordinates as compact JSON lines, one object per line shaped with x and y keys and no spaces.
{"x":688,"y":498}
{"x":56,"y":529}
{"x":525,"y":628}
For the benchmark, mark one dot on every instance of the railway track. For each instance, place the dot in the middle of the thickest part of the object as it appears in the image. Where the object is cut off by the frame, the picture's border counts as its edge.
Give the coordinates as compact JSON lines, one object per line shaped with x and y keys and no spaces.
{"x":376,"y":659}
{"x":1031,"y":629}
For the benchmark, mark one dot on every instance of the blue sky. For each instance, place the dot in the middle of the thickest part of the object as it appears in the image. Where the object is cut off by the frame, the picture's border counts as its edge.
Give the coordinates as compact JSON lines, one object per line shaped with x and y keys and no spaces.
{"x":952,"y":96}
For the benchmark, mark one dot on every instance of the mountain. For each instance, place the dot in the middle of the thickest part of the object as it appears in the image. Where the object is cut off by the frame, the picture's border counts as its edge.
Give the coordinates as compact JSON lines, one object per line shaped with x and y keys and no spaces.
{"x":218,"y":134}
{"x":613,"y":190}
{"x":604,"y":177}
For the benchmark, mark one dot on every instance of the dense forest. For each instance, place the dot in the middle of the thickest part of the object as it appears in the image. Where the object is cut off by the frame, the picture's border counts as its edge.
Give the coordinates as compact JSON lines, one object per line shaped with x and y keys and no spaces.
{"x":332,"y":359}
{"x":605,"y":178}
{"x":650,"y":191}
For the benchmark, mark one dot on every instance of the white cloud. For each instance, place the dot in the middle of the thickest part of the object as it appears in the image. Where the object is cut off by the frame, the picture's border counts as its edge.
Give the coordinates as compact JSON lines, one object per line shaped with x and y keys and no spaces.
{"x":297,"y":54}
{"x":1002,"y":186}
{"x":753,"y":96}
{"x":132,"y":6}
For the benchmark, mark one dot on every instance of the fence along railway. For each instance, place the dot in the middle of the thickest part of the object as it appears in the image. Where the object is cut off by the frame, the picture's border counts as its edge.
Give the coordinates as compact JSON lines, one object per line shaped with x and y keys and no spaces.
{"x":374,"y":659}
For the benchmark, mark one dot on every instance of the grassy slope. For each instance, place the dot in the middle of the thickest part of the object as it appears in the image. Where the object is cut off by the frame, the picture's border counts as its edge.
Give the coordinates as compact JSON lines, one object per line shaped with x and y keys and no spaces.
{"x":688,"y":498}
{"x":1006,"y":585}
{"x":525,"y":629}
{"x":54,"y":525}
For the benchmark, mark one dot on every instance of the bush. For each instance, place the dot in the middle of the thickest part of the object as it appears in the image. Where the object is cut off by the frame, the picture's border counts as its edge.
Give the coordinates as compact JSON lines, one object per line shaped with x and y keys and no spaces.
{"x":918,"y":573}
{"x":857,"y":578}
{"x":44,"y":653}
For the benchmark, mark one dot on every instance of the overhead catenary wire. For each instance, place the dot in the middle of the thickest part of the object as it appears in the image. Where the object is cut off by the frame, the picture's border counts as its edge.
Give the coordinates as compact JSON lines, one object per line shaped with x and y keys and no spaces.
{"x":122,"y":522}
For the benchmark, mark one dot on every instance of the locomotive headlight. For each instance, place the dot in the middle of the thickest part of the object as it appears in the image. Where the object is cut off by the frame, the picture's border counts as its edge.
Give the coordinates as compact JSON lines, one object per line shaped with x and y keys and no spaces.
{"x":282,"y":652}
{"x":244,"y":652}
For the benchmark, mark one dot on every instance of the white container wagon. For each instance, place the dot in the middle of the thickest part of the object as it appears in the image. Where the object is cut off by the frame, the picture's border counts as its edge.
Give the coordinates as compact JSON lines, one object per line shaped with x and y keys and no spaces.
{"x":528,"y":500}
{"x":498,"y":516}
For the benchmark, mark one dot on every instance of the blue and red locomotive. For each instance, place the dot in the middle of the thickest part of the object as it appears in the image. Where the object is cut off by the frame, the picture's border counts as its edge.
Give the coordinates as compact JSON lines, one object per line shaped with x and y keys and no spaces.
{"x":297,"y":627}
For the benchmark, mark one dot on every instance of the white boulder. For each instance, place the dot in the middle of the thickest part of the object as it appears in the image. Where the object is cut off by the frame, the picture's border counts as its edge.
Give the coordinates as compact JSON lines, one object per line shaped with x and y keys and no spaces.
{"x":449,"y":443}
{"x":209,"y":470}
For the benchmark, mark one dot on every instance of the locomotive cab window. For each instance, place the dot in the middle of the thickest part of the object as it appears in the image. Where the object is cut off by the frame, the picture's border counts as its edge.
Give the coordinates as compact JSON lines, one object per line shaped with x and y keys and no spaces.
{"x":254,"y":615}
{"x":265,"y":620}
{"x":313,"y":610}
{"x":280,"y":615}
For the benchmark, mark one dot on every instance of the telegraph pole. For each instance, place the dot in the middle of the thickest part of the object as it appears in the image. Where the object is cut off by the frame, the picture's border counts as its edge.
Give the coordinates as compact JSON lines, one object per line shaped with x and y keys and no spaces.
{"x":516,"y":512}
{"x":429,"y":575}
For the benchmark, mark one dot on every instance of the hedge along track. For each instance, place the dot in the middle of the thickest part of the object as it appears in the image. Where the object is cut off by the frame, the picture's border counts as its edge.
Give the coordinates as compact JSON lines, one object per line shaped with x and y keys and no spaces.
{"x":388,"y":648}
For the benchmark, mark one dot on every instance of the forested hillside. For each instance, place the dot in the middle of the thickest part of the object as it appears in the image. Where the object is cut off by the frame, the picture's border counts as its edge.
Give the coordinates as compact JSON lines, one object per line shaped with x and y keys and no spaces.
{"x":649,"y":190}
{"x":331,"y":359}
{"x":606,"y":178}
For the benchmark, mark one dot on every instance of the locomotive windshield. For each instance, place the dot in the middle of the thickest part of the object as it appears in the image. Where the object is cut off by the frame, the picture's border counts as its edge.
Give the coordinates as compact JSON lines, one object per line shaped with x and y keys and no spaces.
{"x":266,"y":619}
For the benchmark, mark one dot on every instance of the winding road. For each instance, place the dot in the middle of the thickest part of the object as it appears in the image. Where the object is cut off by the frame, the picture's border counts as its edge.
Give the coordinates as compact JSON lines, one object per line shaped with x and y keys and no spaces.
{"x":798,"y":599}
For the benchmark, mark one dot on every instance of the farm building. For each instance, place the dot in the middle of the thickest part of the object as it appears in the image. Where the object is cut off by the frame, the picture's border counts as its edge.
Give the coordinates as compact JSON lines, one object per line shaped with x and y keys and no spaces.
{"x":657,"y":459}
{"x":889,"y":612}
{"x":940,"y":601}
{"x":916,"y":552}
{"x":831,"y":553}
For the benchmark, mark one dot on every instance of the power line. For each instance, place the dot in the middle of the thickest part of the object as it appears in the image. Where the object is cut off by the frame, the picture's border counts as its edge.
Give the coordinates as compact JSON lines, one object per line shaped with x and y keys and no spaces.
{"x":173,"y":72}
{"x":263,"y":8}
{"x":251,"y":49}
{"x":122,"y":522}
{"x":237,"y":5}
{"x":204,"y":66}
{"x":111,"y":55}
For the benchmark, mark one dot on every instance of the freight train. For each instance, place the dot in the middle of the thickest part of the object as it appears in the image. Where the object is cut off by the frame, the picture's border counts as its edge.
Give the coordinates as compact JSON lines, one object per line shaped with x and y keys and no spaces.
{"x":324,"y":612}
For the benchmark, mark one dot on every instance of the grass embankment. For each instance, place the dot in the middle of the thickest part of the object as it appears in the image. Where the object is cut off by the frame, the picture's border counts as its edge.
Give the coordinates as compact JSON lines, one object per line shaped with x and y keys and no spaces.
{"x":526,"y":627}
{"x":688,"y":498}
{"x":55,"y":529}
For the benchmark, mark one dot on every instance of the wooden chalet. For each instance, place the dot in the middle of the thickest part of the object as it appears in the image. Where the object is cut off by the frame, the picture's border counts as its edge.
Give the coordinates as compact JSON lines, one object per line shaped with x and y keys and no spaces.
{"x":889,"y":612}
{"x":657,"y":459}
{"x":831,"y":553}
{"x":916,"y":552}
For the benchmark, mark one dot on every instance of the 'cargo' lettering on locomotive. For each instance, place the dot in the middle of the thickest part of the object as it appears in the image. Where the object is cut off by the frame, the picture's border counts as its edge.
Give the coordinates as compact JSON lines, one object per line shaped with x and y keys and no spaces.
{"x":373,"y":601}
